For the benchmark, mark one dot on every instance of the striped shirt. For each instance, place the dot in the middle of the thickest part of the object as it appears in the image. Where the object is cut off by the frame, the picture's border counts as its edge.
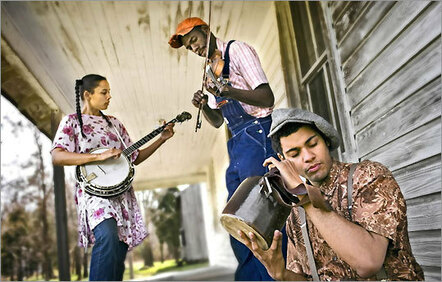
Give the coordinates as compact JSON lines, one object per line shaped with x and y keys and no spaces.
{"x":245,"y":73}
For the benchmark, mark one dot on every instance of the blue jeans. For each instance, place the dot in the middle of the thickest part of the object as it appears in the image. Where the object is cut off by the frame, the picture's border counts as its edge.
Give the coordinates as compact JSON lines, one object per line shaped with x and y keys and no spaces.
{"x":108,"y":253}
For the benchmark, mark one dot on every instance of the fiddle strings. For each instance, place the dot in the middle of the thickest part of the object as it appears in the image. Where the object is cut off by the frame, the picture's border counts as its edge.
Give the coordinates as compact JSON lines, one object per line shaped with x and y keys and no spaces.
{"x":198,"y":117}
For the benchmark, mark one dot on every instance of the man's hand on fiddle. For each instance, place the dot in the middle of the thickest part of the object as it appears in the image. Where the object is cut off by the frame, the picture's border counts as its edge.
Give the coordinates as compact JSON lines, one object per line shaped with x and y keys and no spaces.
{"x":272,"y":258}
{"x":210,"y":86}
{"x":199,"y":98}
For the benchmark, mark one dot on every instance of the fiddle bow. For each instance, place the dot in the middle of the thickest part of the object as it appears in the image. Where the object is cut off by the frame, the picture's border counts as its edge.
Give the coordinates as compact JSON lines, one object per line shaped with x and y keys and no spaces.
{"x":198,"y":117}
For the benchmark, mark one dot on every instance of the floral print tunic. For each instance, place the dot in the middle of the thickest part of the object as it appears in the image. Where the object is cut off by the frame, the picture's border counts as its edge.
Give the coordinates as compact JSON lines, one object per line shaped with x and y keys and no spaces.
{"x":378,"y":206}
{"x":92,"y":210}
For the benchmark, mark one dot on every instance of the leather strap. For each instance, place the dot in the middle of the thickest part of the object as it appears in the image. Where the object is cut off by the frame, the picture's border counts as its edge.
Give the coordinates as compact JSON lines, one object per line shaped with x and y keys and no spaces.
{"x":350,"y":189}
{"x":382,"y":274}
{"x":308,"y":246}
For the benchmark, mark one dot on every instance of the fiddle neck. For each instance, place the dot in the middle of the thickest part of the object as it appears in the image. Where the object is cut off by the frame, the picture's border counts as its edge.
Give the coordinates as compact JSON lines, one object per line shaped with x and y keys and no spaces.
{"x":212,"y":46}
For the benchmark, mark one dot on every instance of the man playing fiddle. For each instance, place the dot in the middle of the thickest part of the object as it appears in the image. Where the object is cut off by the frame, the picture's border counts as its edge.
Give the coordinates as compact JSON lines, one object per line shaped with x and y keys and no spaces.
{"x":245,"y":104}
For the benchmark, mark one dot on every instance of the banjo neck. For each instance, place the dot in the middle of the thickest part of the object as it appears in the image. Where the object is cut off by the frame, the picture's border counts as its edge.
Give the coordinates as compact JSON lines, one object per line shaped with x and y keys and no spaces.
{"x":129,"y":150}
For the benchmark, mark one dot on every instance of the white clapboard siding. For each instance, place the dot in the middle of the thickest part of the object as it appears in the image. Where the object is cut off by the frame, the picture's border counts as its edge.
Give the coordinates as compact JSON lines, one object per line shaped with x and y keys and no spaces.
{"x":408,"y":44}
{"x":337,"y":8}
{"x":424,"y":213}
{"x":420,"y":178}
{"x":362,"y":27}
{"x":352,"y":11}
{"x":380,"y":35}
{"x":402,"y":84}
{"x":390,"y":54}
{"x":410,"y":148}
{"x":426,"y":245}
{"x":382,"y":131}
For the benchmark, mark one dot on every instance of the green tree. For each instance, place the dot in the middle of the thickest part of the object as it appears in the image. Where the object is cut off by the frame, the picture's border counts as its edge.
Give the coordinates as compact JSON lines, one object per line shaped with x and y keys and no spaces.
{"x":167,"y":220}
{"x":15,"y":237}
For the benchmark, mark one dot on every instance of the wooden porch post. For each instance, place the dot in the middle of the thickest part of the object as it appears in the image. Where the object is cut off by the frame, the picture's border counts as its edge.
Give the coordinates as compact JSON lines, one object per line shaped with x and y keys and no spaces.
{"x":60,"y":212}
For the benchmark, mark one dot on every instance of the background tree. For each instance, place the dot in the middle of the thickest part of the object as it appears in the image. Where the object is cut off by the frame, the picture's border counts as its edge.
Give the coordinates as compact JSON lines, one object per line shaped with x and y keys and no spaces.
{"x":167,"y":220}
{"x":15,"y":237}
{"x":27,"y":195}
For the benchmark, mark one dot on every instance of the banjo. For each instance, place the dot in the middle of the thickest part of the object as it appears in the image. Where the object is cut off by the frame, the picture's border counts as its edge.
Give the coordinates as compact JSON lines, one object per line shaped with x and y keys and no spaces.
{"x":113,"y":177}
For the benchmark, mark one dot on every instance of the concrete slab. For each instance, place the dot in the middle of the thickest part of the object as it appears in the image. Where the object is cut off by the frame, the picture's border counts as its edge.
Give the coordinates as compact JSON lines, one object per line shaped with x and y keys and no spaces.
{"x":210,"y":273}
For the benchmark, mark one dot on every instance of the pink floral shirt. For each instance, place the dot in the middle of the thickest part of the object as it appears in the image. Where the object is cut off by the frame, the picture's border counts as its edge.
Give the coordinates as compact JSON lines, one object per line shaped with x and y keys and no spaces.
{"x":93,"y":210}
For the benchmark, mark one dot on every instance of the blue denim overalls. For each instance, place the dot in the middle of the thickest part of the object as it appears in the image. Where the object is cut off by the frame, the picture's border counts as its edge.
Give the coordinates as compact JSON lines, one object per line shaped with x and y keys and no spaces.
{"x":248,"y":148}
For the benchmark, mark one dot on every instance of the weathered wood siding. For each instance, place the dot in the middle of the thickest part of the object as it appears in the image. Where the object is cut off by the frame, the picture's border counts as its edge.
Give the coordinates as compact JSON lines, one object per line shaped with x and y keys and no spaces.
{"x":390,"y":57}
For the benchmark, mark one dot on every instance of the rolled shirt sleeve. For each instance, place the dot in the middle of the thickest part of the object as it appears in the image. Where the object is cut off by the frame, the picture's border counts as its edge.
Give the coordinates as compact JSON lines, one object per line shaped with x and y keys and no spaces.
{"x":379,"y":205}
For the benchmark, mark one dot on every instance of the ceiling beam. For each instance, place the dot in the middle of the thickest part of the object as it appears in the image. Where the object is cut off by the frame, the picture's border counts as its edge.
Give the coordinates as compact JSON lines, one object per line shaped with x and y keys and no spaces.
{"x":21,"y":87}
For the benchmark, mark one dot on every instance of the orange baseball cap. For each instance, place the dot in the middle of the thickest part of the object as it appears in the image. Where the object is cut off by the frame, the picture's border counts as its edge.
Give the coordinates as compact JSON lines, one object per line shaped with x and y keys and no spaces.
{"x":184,"y":28}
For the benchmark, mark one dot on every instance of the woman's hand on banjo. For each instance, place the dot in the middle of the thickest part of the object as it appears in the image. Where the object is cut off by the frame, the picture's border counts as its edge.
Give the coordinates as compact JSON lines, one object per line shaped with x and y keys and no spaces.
{"x":272,"y":258}
{"x":111,"y":153}
{"x":167,"y":132}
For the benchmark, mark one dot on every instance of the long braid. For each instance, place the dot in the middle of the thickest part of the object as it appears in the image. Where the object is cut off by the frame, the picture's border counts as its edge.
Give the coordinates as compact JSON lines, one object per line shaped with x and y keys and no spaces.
{"x":106,"y":118}
{"x":78,"y":84}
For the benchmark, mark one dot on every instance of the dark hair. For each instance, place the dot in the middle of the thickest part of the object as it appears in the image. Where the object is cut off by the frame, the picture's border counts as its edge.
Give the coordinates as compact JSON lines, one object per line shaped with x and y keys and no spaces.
{"x":87,"y":83}
{"x":290,"y":128}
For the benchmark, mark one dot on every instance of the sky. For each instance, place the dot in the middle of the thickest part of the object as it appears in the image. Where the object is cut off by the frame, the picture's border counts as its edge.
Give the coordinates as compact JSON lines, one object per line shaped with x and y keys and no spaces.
{"x":15,"y":150}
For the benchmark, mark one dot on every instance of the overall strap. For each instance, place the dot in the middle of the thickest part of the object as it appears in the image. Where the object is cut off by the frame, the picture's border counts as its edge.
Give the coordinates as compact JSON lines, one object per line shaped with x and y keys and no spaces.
{"x":226,"y":69}
{"x":308,"y":246}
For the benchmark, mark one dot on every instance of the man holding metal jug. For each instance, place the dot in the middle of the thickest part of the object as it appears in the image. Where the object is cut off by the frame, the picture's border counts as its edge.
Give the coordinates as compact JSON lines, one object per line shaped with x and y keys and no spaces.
{"x":355,"y":213}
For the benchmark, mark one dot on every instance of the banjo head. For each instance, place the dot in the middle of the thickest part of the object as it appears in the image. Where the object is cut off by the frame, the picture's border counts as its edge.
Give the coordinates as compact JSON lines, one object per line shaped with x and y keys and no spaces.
{"x":111,"y":172}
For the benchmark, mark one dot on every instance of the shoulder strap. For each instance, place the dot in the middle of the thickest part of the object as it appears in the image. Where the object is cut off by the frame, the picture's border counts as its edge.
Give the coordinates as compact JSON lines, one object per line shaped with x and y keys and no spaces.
{"x":118,"y":134}
{"x":350,"y":188}
{"x":308,"y":246}
{"x":382,"y":274}
{"x":226,"y":68}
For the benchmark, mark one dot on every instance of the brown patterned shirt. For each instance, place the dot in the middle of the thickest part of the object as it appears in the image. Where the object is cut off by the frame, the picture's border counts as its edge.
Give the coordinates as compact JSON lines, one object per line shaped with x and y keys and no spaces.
{"x":378,"y":206}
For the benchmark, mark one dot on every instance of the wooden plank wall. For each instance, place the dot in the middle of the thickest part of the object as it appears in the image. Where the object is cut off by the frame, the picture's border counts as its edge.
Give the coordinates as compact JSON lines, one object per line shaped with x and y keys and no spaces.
{"x":390,"y":57}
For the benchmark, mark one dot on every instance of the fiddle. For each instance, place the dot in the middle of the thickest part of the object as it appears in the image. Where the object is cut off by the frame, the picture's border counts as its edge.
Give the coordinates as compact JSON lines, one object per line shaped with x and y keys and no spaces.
{"x":215,"y":82}
{"x":212,"y":79}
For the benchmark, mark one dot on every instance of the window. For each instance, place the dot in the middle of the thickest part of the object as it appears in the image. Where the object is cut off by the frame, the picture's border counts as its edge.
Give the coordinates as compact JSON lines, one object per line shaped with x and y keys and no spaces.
{"x":316,"y":83}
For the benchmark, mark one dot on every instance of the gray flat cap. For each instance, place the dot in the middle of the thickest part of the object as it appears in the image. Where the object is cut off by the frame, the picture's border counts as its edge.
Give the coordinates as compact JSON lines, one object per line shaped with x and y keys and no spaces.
{"x":280,"y":117}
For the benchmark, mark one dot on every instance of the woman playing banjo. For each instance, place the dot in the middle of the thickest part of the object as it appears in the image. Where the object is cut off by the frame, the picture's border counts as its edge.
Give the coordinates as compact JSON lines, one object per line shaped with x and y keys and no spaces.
{"x":114,"y":224}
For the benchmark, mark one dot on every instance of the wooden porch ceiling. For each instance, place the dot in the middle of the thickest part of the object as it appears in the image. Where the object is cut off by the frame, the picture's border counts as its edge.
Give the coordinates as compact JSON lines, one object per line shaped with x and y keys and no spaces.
{"x":55,"y":43}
